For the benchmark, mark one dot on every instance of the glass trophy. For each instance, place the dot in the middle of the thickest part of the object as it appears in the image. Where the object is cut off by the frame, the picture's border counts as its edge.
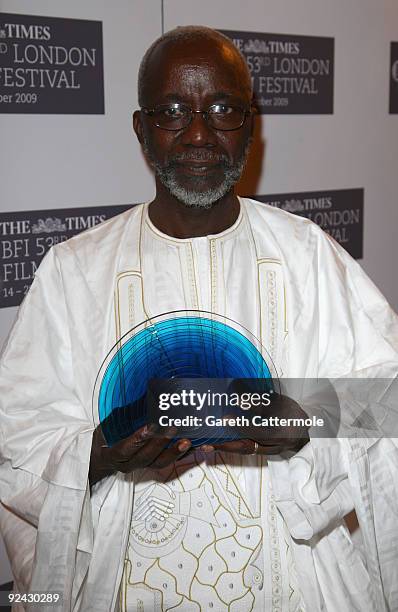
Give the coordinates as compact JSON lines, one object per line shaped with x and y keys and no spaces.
{"x":196,"y":357}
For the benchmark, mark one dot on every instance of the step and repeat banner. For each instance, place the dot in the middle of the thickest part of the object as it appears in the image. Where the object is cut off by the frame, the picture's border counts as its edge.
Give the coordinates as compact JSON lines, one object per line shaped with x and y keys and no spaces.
{"x":325,"y":77}
{"x":51,"y":66}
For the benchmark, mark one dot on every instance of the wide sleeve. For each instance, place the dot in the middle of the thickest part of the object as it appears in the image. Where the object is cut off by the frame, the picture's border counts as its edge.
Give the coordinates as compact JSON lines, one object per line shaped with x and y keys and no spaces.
{"x":358,"y":330}
{"x":355,"y":336}
{"x":45,"y":442}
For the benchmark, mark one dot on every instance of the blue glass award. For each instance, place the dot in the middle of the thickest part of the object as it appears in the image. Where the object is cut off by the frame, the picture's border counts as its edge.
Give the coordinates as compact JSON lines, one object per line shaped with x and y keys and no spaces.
{"x":210,"y":351}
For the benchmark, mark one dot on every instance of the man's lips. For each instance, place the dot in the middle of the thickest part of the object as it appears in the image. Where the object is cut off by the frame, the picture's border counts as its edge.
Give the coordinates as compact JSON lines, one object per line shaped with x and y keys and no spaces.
{"x":198,"y":166}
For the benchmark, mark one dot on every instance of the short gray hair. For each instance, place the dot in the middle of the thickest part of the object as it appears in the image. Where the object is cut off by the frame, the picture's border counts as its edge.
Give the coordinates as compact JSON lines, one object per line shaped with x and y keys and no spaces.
{"x":179,"y":34}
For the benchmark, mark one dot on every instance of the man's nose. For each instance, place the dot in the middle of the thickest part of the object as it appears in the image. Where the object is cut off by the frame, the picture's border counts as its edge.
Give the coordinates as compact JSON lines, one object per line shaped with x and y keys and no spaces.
{"x":199,"y":132}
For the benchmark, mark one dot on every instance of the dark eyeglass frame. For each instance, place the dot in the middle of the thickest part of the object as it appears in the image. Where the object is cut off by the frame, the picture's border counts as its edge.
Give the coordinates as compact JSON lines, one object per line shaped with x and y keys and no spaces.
{"x":205,"y":114}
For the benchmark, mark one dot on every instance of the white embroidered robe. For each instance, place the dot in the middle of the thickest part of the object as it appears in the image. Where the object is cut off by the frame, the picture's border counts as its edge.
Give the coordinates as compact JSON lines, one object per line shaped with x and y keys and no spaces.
{"x":316,"y":313}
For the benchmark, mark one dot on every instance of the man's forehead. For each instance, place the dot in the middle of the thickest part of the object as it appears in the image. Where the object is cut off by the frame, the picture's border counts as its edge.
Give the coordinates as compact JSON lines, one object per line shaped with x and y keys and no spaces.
{"x":195,"y":51}
{"x":198,"y":56}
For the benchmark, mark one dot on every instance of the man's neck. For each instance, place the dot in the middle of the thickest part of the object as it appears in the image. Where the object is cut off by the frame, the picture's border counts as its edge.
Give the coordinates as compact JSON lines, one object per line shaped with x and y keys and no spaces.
{"x":179,"y":221}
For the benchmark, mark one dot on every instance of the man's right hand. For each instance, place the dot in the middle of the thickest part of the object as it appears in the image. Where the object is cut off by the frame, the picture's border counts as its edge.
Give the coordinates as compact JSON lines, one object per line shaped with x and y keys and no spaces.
{"x":145,"y":447}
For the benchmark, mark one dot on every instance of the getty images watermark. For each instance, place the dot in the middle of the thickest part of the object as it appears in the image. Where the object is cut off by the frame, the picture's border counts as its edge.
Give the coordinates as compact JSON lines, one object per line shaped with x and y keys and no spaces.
{"x":214,"y":408}
{"x":223,"y":409}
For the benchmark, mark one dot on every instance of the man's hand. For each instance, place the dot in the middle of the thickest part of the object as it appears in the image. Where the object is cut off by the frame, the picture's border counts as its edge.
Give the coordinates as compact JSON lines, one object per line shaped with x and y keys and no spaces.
{"x":261,"y":440}
{"x":145,"y":447}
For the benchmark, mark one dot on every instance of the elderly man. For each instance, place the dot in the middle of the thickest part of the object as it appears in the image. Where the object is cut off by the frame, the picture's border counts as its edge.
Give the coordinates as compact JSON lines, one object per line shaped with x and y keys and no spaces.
{"x":149,"y":525}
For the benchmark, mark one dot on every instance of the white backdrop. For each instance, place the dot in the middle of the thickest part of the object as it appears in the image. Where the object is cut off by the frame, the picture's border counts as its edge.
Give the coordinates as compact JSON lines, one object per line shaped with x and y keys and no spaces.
{"x":62,"y":161}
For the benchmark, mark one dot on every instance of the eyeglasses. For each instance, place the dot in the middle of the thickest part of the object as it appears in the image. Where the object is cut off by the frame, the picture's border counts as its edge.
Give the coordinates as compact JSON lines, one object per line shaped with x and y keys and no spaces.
{"x":178,"y":116}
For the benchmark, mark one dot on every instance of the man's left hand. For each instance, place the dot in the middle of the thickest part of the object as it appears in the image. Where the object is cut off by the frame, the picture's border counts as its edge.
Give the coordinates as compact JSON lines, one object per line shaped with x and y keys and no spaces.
{"x":260,"y":440}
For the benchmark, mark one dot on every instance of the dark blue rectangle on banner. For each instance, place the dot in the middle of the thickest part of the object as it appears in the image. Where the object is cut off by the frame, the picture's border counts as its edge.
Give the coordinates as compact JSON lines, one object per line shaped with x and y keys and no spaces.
{"x":291,"y":74}
{"x":50,"y":65}
{"x":5,"y":589}
{"x":25,"y":238}
{"x":394,"y":78}
{"x":338,"y":212}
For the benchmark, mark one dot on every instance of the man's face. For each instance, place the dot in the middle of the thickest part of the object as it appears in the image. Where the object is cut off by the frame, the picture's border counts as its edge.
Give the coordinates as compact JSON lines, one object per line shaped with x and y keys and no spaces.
{"x":198,"y":164}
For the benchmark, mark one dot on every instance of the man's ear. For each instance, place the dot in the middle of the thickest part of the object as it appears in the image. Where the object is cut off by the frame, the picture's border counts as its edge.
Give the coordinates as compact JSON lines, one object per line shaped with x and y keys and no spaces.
{"x":137,"y":125}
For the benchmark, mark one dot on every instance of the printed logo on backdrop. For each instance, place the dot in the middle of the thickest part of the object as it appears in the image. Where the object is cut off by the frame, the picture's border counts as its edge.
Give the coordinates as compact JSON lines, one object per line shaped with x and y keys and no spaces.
{"x":339,"y":213}
{"x":394,"y":79}
{"x":25,"y":238}
{"x":50,"y":65}
{"x":290,"y":74}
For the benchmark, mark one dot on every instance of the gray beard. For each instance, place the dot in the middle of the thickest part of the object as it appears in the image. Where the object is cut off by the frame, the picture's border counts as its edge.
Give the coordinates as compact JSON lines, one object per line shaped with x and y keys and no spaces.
{"x":198,"y":198}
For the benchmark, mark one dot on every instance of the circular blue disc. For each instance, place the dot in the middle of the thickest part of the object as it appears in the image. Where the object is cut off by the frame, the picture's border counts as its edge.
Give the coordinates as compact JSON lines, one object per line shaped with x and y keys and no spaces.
{"x":180,"y":346}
